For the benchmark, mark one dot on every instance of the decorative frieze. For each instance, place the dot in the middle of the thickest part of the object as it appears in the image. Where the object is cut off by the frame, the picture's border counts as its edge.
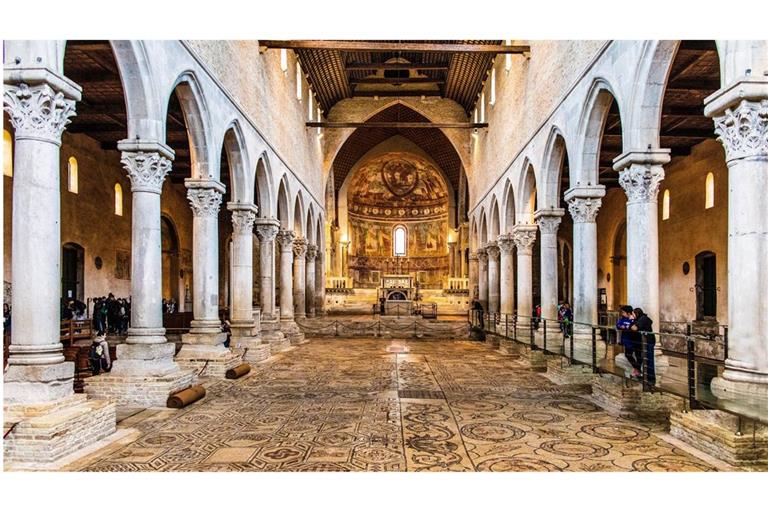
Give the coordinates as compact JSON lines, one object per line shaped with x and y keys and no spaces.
{"x":743,"y":131}
{"x":146,"y":170}
{"x":38,"y":112}
{"x":205,"y":202}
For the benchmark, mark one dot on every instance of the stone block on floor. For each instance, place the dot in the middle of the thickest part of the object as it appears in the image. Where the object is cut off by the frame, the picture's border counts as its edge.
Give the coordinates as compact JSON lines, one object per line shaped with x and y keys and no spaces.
{"x":147,"y":391}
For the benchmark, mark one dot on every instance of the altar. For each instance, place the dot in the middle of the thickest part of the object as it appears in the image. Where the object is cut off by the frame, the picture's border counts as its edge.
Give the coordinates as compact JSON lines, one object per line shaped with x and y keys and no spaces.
{"x":396,"y":295}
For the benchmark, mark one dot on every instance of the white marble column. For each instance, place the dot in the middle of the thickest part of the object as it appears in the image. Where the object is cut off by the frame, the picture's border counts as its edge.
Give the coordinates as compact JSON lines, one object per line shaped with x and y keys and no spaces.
{"x":493,"y":277}
{"x":320,"y":284}
{"x":285,"y":239}
{"x":241,"y":322}
{"x":39,"y":112}
{"x":205,"y":200}
{"x":482,"y":277}
{"x":344,"y":258}
{"x":507,"y":286}
{"x":451,"y":259}
{"x":549,"y":221}
{"x":310,"y":280}
{"x":474,"y":264}
{"x":740,"y":113}
{"x":266,"y":231}
{"x":524,"y":236}
{"x":583,"y":205}
{"x":299,"y":277}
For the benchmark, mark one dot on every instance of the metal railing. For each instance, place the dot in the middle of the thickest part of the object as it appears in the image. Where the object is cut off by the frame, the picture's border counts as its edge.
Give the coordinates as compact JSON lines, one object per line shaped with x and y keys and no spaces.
{"x":680,"y":364}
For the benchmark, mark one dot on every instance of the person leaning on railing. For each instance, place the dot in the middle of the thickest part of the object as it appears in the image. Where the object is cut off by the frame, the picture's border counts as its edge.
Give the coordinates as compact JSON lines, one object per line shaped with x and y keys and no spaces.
{"x":644,"y":325}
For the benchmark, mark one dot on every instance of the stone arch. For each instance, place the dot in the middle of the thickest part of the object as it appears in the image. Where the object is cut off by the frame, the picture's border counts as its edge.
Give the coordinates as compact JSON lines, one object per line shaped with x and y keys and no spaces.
{"x":509,"y":207}
{"x":320,"y":234}
{"x":283,"y":208}
{"x":195,"y":111}
{"x":554,"y":156}
{"x":142,"y":102}
{"x":473,"y":234}
{"x":298,"y":214}
{"x":527,"y":201}
{"x":483,"y":228}
{"x":592,"y":121}
{"x":310,"y":235}
{"x":495,"y":222}
{"x":237,"y":157}
{"x":262,"y":184}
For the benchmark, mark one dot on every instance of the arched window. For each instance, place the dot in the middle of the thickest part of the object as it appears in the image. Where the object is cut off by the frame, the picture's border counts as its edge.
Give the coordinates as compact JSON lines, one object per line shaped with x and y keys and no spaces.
{"x":310,"y":106}
{"x":482,"y":107}
{"x":492,"y":101}
{"x":476,"y":112}
{"x":319,"y":119}
{"x":508,"y":57}
{"x":72,"y":175}
{"x":284,"y":60}
{"x":400,"y":237}
{"x":710,"y":191}
{"x":665,"y":205}
{"x":298,"y":81}
{"x":7,"y":153}
{"x":118,"y":199}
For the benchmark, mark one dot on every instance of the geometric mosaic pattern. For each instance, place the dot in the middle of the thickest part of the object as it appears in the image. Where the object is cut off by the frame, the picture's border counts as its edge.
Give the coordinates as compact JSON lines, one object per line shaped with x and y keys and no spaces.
{"x":359,"y":405}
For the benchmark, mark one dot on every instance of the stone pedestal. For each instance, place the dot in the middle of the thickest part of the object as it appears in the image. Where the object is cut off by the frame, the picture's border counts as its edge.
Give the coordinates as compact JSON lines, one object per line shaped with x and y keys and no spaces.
{"x":138,"y":389}
{"x":243,"y":322}
{"x":535,"y":358}
{"x":42,"y":434}
{"x":575,"y":377}
{"x":271,"y":333}
{"x":723,"y":436}
{"x":206,"y":360}
{"x":509,"y":347}
{"x":622,"y":396}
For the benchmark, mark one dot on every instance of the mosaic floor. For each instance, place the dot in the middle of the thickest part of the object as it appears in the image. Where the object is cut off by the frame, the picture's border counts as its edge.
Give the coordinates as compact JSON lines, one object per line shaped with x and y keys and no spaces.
{"x":365,"y":405}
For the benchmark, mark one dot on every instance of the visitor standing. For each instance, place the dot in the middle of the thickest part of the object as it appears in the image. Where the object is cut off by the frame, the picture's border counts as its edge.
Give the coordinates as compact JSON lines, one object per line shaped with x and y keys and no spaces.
{"x":644,"y":327}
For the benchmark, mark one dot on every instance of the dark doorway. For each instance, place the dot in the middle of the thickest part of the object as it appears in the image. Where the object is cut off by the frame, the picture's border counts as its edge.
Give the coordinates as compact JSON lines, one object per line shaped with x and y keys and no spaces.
{"x":706,"y":286}
{"x":72,"y":271}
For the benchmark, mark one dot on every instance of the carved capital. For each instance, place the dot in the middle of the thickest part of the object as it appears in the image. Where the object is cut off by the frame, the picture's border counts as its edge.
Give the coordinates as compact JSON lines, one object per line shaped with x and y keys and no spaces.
{"x":299,"y":247}
{"x":311,"y":253}
{"x":584,"y":209}
{"x":38,"y":112}
{"x":473,"y":256}
{"x":492,"y":250}
{"x":146,"y":170}
{"x":743,"y":131}
{"x":505,"y":243}
{"x":205,"y":202}
{"x":524,"y":238}
{"x":548,"y":225}
{"x":242,"y":222}
{"x":641,"y":182}
{"x":266,"y":232}
{"x":285,"y":238}
{"x":482,"y":256}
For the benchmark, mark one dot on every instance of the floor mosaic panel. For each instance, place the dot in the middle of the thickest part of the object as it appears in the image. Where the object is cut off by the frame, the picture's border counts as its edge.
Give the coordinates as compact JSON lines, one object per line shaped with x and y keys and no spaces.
{"x":359,"y":405}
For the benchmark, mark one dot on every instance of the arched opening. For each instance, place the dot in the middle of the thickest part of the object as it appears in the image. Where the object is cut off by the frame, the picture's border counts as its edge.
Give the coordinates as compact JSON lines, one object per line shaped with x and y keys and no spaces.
{"x":7,"y":154}
{"x":709,"y":191}
{"x":665,"y":205}
{"x":173,"y":275}
{"x":400,"y":245}
{"x":618,"y":281}
{"x":706,"y":286}
{"x":73,"y":272}
{"x":118,"y":199}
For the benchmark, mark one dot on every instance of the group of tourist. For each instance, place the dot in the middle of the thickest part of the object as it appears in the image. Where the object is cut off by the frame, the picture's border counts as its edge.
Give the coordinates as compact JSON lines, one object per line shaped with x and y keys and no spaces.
{"x":632,"y":326}
{"x":111,"y":315}
{"x":169,"y":306}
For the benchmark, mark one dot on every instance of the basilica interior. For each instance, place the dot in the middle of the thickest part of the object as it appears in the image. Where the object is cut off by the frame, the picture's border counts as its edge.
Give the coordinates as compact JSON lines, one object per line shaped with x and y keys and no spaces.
{"x":377,"y":255}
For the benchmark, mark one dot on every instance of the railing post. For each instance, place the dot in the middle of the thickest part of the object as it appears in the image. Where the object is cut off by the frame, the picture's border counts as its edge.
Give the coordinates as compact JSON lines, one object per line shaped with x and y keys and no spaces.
{"x":594,"y":350}
{"x":691,"y":359}
{"x":335,"y":327}
{"x":544,"y":326}
{"x":533,"y":335}
{"x":725,"y":343}
{"x":506,"y":325}
{"x":514,"y":327}
{"x":570,"y":339}
{"x":644,"y":361}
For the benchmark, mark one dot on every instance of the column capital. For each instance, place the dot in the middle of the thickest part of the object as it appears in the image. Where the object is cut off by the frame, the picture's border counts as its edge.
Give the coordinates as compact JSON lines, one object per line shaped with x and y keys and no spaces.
{"x":473,"y":256}
{"x":548,"y":220}
{"x":266,"y":229}
{"x":492,"y":249}
{"x":641,"y":173}
{"x":311,"y":252}
{"x":299,"y":247}
{"x":38,"y":111}
{"x":452,"y":244}
{"x":505,"y":243}
{"x":146,"y":170}
{"x":205,"y":199}
{"x":285,"y":238}
{"x":242,"y":220}
{"x":584,"y":202}
{"x":482,"y":255}
{"x":524,"y":236}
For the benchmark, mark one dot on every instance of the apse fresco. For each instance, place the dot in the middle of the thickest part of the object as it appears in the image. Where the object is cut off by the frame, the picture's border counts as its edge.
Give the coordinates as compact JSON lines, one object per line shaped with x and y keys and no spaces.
{"x":399,"y":188}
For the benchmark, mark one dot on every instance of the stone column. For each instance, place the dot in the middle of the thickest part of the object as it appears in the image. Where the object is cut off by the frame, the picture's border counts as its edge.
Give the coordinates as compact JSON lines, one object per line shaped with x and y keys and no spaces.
{"x":474,"y":263}
{"x":320,"y":284}
{"x":241,"y":322}
{"x":344,"y":259}
{"x":524,"y":236}
{"x":583,"y":204}
{"x":39,"y":398}
{"x":740,"y":113}
{"x":203,"y":349}
{"x":299,"y":277}
{"x":482,"y":277}
{"x":493,"y":277}
{"x":287,"y":324}
{"x":507,"y":300}
{"x":310,"y":281}
{"x":451,"y":259}
{"x":549,"y":222}
{"x":266,"y":231}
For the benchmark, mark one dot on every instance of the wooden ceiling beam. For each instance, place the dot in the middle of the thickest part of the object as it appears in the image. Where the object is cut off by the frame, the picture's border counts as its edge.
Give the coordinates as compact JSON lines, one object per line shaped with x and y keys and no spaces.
{"x":694,"y":84}
{"x":389,"y":94}
{"x":380,"y":46}
{"x":86,"y":45}
{"x":396,"y":124}
{"x":395,"y":66}
{"x":395,"y":81}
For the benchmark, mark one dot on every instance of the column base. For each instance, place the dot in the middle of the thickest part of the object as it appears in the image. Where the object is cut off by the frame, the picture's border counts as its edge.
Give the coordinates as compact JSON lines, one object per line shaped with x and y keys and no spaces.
{"x":138,"y":390}
{"x":575,"y":377}
{"x":582,"y":347}
{"x":145,"y":359}
{"x":508,"y":347}
{"x":536,"y":359}
{"x":25,"y":384}
{"x":204,"y":338}
{"x":253,"y":349}
{"x":206,"y":360}
{"x":617,"y":394}
{"x":270,"y":333}
{"x":723,"y":387}
{"x":719,"y":434}
{"x":292,"y":332}
{"x":42,"y":434}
